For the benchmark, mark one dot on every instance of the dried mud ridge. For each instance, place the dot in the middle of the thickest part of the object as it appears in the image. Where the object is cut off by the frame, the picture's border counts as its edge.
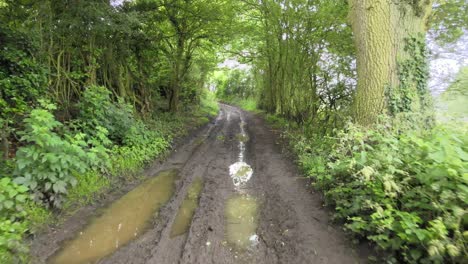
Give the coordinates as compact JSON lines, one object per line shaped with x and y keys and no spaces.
{"x":253,"y":206}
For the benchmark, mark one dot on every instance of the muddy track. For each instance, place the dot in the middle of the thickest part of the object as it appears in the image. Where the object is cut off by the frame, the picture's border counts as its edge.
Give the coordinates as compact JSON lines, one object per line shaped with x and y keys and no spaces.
{"x":291,"y":225}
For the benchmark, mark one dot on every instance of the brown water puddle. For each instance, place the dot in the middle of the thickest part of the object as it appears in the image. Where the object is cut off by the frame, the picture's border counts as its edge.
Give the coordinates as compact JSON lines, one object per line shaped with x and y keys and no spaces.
{"x":241,"y":221}
{"x":187,"y":209}
{"x":124,"y":220}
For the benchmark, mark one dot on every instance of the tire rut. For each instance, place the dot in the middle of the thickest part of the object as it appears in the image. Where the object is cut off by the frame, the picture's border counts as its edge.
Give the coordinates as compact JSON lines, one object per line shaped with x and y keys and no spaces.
{"x":193,"y":161}
{"x":292,"y":227}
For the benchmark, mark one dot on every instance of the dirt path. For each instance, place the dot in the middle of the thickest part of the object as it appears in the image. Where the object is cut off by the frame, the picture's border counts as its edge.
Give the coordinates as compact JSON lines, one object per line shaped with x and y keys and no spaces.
{"x":272,"y":217}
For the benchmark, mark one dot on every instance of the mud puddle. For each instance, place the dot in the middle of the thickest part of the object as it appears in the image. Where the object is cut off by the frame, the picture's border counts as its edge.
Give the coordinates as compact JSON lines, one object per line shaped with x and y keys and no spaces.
{"x":241,"y":172}
{"x":124,"y":220}
{"x":241,"y":213}
{"x":187,"y":209}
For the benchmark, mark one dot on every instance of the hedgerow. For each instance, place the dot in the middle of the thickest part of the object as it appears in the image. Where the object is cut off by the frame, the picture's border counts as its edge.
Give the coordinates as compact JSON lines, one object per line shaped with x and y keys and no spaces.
{"x":404,"y":189}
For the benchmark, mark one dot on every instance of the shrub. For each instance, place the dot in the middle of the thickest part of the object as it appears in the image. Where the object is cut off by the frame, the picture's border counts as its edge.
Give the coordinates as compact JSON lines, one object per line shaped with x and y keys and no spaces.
{"x":140,"y":134}
{"x":47,"y":163}
{"x":22,"y":78}
{"x":405,"y":190}
{"x":98,"y":109}
{"x":128,"y":159}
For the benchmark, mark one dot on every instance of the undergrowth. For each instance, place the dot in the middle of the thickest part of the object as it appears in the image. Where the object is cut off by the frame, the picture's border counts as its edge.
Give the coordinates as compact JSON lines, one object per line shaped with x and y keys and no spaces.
{"x":405,"y":190}
{"x":66,"y":165}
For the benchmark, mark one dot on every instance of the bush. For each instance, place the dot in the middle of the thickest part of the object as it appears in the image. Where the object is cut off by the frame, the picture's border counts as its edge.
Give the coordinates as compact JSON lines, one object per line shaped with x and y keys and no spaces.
{"x":22,"y":78}
{"x":128,"y":159}
{"x":48,"y":163}
{"x":406,"y":191}
{"x":140,"y":134}
{"x":98,"y":109}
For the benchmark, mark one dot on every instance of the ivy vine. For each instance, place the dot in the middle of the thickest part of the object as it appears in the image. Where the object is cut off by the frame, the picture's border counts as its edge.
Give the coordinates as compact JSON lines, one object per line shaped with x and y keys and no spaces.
{"x":417,"y":5}
{"x":413,"y":73}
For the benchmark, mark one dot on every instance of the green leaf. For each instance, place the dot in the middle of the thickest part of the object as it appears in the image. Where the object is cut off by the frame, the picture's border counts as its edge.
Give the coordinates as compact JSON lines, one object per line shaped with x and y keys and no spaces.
{"x":33,"y":185}
{"x":22,"y":189}
{"x":59,"y":187}
{"x":5,"y":181}
{"x":8,"y":204}
{"x":12,"y":192}
{"x":462,"y":154}
{"x":21,"y":198}
{"x":438,"y":156}
{"x":20,"y":180}
{"x":415,"y":254}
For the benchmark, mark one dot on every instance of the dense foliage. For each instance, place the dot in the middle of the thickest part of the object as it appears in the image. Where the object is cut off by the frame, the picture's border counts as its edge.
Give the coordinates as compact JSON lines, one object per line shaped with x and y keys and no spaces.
{"x":91,"y":91}
{"x":405,"y":192}
{"x":450,"y":19}
{"x":47,"y":164}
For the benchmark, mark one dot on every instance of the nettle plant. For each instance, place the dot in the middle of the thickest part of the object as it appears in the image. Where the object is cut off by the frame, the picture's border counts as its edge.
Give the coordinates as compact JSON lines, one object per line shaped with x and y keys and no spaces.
{"x":48,"y":163}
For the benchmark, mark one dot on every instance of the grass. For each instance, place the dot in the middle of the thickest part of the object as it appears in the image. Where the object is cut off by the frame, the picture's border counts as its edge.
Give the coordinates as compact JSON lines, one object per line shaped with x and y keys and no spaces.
{"x":89,"y":184}
{"x":208,"y":104}
{"x":248,"y":104}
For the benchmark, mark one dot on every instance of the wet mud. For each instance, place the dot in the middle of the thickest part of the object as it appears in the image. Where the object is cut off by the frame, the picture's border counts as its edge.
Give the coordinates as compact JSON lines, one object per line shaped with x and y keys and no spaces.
{"x":237,"y":199}
{"x":123,"y":221}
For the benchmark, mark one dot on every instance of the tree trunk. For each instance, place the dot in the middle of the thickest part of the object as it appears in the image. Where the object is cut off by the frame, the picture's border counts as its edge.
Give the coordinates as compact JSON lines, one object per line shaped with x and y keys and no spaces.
{"x":175,"y":88}
{"x":177,"y":74}
{"x":380,"y":29}
{"x":5,"y":144}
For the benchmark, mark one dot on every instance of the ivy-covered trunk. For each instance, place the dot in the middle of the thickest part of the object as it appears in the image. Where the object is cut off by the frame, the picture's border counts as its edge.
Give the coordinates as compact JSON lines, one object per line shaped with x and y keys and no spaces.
{"x":388,"y":36}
